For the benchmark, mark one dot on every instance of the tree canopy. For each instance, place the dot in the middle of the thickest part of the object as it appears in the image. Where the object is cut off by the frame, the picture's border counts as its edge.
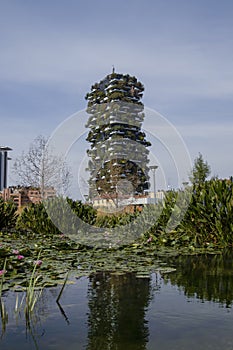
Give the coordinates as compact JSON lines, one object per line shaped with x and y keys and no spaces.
{"x":201,"y":170}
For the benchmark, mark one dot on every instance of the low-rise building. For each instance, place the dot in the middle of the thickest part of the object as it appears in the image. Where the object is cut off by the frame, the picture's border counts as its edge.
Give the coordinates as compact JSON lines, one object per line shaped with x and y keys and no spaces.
{"x":110,"y":203}
{"x":22,"y":196}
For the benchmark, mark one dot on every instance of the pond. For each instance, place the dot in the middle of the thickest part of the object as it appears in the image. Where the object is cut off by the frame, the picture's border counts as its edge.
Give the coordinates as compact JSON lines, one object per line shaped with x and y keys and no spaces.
{"x":189,"y":308}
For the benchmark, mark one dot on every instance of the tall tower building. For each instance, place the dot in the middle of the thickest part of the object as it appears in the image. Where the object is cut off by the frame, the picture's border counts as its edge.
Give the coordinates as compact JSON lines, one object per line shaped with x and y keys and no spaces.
{"x":118,"y":152}
{"x":3,"y":166}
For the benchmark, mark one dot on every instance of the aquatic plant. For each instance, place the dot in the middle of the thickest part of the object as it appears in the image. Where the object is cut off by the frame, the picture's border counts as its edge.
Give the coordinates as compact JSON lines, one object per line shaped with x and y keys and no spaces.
{"x":32,"y":292}
{"x":3,"y":311}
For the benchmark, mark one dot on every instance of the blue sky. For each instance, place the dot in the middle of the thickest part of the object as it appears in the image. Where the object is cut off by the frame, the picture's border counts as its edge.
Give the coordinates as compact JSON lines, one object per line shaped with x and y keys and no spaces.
{"x":51,"y":52}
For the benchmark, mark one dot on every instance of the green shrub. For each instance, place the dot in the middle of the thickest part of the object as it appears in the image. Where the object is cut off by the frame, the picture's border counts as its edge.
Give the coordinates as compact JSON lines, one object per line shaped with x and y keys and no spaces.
{"x":110,"y":221}
{"x":8,"y":214}
{"x":55,"y":216}
{"x":34,"y":218}
{"x":209,"y":219}
{"x":85,"y":212}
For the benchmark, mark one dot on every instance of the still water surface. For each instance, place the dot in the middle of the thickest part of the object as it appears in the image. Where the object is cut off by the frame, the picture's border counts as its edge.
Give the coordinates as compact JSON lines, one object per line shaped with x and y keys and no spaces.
{"x":190,"y":308}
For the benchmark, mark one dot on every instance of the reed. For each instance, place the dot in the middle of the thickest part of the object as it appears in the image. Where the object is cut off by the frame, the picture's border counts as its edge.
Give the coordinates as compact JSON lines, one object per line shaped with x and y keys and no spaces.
{"x":3,"y":310}
{"x":32,"y":292}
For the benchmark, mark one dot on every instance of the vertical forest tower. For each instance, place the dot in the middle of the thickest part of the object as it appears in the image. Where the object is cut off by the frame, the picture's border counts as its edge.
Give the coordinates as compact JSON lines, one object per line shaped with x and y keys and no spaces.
{"x":118,"y":151}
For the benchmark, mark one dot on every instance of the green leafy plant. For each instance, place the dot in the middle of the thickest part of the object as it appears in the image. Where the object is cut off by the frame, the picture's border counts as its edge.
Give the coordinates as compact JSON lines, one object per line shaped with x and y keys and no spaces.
{"x":35,"y":217}
{"x":209,"y":219}
{"x":201,"y":170}
{"x":8,"y":214}
{"x":32,"y":291}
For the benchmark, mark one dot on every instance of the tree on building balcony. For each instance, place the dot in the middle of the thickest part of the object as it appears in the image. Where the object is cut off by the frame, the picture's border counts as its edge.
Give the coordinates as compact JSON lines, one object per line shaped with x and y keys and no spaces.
{"x":118,"y":146}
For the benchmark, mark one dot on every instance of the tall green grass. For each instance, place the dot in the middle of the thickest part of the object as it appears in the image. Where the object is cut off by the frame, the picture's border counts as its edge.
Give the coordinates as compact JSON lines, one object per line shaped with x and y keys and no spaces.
{"x":209,"y":219}
{"x":3,"y":311}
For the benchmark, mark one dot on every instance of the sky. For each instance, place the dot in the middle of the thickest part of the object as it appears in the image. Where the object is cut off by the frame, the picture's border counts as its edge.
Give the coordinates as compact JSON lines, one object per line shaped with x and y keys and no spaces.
{"x":51,"y":52}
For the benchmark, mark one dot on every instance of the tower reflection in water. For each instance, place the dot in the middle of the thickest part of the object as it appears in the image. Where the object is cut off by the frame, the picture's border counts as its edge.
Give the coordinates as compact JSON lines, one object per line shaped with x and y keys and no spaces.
{"x":117,"y":311}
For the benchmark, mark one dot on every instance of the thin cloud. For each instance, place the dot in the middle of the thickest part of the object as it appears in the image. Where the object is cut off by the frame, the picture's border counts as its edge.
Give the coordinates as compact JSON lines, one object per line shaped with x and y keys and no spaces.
{"x":182,"y":52}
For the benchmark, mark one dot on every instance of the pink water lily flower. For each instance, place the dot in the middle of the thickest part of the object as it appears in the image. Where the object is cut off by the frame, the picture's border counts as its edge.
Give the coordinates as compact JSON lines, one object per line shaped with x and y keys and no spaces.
{"x":2,"y":272}
{"x":15,"y":251}
{"x":38,"y":262}
{"x":149,"y":239}
{"x":20,"y":257}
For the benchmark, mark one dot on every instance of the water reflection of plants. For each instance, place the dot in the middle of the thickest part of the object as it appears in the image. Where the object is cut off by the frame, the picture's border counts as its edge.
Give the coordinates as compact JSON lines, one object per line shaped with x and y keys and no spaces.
{"x":118,"y":301}
{"x":3,"y":311}
{"x":206,"y":276}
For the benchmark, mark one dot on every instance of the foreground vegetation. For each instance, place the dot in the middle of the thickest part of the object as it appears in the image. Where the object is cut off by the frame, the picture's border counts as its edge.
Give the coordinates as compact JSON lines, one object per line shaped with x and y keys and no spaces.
{"x":202,"y":215}
{"x":207,"y":223}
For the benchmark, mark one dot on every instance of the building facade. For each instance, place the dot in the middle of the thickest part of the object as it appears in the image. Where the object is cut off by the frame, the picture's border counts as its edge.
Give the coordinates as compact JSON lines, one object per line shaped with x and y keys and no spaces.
{"x":23,"y":196}
{"x":118,"y":154}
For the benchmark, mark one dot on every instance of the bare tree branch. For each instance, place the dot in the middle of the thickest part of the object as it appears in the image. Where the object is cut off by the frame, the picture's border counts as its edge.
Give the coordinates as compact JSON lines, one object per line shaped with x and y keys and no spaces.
{"x":39,"y":167}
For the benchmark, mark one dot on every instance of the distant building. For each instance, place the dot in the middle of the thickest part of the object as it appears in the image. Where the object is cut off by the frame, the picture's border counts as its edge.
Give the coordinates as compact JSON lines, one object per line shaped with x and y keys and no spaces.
{"x":109,"y":203}
{"x":3,"y":166}
{"x":22,"y":196}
